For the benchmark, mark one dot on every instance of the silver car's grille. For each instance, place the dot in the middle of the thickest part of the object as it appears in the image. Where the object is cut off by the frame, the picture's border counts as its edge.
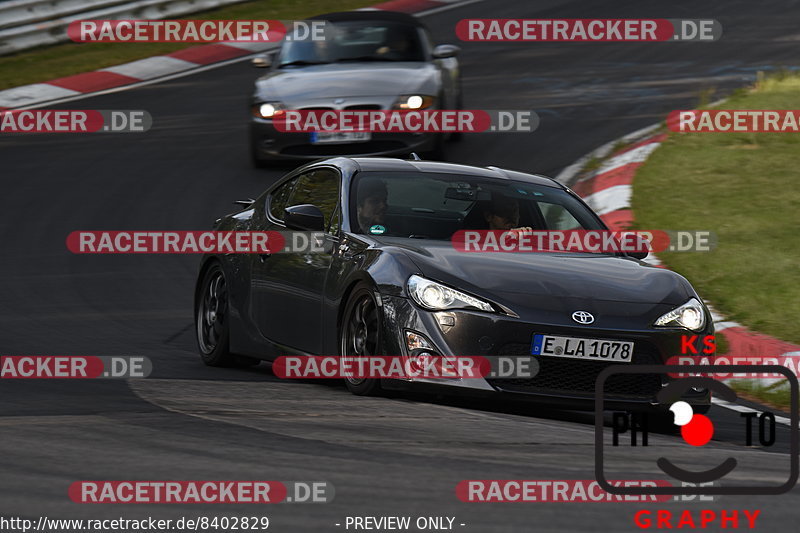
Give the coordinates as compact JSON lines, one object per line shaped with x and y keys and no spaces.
{"x":365,"y":107}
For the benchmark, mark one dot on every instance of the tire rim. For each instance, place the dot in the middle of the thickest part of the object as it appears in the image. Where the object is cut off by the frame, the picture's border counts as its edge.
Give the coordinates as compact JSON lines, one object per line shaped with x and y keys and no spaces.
{"x":361,"y":333}
{"x":211,"y":313}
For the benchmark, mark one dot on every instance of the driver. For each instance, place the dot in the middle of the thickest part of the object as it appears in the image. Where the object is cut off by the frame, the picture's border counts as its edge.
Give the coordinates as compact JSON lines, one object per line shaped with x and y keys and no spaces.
{"x":371,"y":205}
{"x":397,"y":45}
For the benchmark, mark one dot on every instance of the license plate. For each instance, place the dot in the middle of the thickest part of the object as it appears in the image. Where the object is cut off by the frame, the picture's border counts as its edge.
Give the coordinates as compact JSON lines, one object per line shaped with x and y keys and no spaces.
{"x":330,"y":137}
{"x":576,"y":348}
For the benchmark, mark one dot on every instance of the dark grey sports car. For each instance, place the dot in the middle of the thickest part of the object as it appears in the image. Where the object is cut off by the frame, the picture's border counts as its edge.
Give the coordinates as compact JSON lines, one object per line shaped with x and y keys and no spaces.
{"x":368,"y":60}
{"x":391,"y":282}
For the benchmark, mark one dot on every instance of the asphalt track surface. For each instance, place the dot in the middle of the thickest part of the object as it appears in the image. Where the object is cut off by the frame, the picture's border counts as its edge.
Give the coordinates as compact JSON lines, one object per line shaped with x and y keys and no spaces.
{"x":385,"y":456}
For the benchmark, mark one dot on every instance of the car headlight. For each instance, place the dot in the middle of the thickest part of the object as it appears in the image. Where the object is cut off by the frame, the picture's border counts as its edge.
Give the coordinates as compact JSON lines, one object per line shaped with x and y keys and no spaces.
{"x":432,"y":295}
{"x":268,"y":109}
{"x":414,"y":101}
{"x":690,"y":315}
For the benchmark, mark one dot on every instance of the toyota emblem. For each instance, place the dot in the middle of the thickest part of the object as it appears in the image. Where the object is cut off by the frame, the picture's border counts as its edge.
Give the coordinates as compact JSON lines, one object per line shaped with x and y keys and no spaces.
{"x":583,"y":317}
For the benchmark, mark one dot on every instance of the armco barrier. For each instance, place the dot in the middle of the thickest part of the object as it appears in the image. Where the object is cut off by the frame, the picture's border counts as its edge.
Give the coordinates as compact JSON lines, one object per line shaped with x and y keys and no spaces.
{"x":28,"y":23}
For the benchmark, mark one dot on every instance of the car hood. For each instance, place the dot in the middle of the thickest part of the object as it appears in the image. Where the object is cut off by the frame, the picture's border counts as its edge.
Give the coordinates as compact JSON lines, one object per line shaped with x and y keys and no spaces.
{"x":514,"y":277}
{"x":348,"y":80}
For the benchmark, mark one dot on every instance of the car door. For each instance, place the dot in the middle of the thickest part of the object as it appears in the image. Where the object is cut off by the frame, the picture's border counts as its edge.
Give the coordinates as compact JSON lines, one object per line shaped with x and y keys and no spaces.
{"x":288,"y":287}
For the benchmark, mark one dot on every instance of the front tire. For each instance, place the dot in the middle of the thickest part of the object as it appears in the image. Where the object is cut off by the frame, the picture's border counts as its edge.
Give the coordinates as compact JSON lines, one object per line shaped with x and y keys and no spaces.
{"x":360,"y":335}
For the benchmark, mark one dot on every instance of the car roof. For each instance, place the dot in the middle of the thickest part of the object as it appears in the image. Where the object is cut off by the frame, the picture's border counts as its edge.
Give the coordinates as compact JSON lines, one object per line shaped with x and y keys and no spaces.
{"x":377,"y":15}
{"x":391,"y":164}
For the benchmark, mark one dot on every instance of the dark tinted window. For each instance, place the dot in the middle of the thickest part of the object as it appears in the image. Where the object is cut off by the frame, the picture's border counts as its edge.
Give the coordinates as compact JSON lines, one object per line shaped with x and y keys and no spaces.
{"x":356,"y":41}
{"x":278,"y":199}
{"x":319,"y":187}
{"x":434,"y":206}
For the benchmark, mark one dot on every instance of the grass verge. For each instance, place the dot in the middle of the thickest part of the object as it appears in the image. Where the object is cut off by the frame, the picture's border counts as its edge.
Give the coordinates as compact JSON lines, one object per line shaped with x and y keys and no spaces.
{"x":777,"y":395}
{"x":744,"y":187}
{"x":42,"y":64}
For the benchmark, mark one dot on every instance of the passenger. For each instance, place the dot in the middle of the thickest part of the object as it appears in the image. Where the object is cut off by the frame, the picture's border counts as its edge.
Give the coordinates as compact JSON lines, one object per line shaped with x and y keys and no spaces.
{"x":502,"y":213}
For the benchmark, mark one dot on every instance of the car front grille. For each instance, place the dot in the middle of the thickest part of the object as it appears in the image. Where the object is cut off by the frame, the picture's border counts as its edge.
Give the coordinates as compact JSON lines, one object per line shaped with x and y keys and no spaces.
{"x":560,"y":375}
{"x":364,"y":107}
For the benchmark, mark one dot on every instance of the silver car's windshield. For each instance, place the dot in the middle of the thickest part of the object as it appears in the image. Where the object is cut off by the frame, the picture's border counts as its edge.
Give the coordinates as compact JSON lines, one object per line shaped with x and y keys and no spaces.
{"x":355,"y":41}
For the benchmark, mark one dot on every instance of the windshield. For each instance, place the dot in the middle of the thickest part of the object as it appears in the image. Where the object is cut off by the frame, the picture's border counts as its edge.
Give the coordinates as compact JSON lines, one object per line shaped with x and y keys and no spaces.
{"x":434,"y":206}
{"x":355,"y":41}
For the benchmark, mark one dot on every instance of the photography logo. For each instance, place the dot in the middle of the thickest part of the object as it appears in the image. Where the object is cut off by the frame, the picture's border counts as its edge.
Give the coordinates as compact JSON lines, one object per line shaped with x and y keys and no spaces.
{"x":695,"y":465}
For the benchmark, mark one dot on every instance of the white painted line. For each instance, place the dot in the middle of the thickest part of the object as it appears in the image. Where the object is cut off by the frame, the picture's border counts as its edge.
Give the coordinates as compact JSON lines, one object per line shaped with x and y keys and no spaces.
{"x":27,"y":94}
{"x":611,"y":199}
{"x":637,"y":155}
{"x":139,"y":84}
{"x":568,"y":174}
{"x":448,"y":6}
{"x":151,"y":67}
{"x":653,"y":260}
{"x":742,"y":409}
{"x":252,"y":47}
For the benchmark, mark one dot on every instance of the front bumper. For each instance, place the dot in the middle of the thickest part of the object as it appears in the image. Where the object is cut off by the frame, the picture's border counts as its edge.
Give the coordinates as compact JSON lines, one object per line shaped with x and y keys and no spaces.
{"x":560,"y":382}
{"x":269,"y":143}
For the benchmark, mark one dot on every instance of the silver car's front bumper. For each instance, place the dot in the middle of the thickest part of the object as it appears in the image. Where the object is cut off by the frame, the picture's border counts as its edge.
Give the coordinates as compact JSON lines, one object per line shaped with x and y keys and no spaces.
{"x":271,"y":144}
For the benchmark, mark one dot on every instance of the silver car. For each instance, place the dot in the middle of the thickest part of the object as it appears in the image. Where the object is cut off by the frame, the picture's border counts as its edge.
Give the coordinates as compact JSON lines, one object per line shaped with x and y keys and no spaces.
{"x":368,"y":60}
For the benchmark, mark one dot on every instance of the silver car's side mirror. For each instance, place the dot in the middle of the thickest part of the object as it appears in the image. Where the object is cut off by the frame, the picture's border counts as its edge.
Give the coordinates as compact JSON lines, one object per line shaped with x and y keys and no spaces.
{"x":444,"y":51}
{"x":261,"y":61}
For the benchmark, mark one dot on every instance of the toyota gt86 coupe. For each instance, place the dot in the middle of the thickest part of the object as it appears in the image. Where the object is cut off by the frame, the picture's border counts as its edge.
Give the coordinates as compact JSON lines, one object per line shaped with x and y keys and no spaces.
{"x":391,"y":282}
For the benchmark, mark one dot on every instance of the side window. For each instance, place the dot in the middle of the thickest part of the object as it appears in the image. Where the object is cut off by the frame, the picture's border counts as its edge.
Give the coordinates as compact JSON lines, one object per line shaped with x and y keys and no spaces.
{"x":278,"y":199}
{"x":319,"y":187}
{"x":335,"y":222}
{"x":558,"y":217}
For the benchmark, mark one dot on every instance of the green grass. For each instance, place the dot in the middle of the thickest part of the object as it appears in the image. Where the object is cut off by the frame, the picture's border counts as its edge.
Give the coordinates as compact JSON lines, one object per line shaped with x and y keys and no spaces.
{"x":746,"y":188}
{"x":776,"y":395}
{"x":61,"y":60}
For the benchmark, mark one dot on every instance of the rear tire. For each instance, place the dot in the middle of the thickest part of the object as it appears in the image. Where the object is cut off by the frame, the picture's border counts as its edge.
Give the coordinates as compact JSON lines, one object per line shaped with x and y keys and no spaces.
{"x":360,"y":334}
{"x":212,"y":319}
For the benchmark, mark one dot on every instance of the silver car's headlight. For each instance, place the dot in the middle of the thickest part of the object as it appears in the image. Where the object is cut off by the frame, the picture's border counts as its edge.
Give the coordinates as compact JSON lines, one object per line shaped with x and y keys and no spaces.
{"x":414,"y":101}
{"x":268,"y":109}
{"x":432,"y":295}
{"x":691,"y":315}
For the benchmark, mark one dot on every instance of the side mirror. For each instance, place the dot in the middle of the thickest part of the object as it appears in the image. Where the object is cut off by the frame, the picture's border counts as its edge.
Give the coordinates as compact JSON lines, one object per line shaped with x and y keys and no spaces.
{"x":444,"y":51}
{"x":261,"y":61}
{"x":642,"y":247}
{"x":304,"y":217}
